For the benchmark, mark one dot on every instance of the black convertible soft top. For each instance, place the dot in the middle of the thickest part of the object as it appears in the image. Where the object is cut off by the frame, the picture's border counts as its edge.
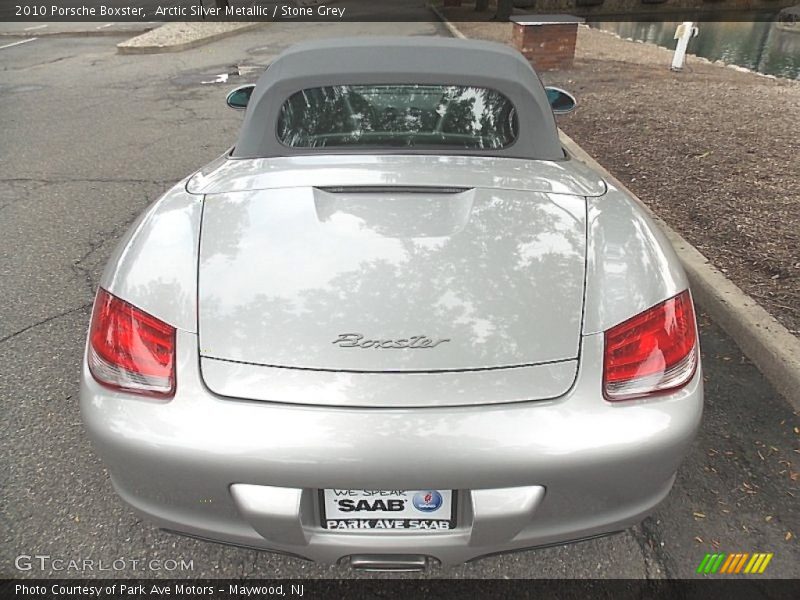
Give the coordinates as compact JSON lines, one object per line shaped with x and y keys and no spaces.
{"x":400,"y":60}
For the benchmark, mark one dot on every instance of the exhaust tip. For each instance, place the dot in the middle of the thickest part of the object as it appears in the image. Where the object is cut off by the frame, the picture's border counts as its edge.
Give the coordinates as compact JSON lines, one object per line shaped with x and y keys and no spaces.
{"x":397,"y":563}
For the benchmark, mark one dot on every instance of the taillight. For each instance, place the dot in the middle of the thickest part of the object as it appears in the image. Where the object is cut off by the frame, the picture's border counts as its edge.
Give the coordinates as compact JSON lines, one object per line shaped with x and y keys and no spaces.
{"x":654,"y":351}
{"x":129,"y":349}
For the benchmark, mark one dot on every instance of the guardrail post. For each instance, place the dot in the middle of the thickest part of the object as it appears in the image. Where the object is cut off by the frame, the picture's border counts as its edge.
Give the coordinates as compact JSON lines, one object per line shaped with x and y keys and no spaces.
{"x":683,"y":34}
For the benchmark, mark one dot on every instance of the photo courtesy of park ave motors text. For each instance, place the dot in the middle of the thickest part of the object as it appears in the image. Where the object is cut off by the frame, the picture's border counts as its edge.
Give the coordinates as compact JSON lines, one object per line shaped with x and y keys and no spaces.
{"x":451,"y":289}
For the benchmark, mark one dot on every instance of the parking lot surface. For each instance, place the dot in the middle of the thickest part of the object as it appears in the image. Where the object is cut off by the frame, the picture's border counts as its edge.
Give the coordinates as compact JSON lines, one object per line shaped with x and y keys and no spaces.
{"x":90,"y":139}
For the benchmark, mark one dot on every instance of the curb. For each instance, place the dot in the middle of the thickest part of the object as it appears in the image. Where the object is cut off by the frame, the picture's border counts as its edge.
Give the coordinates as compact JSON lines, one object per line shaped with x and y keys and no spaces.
{"x":139,"y":45}
{"x":454,"y":31}
{"x":766,"y":342}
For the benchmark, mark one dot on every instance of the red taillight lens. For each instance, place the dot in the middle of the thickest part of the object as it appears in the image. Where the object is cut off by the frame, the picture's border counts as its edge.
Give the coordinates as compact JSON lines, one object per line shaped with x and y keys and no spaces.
{"x":129,"y":349}
{"x":654,"y":351}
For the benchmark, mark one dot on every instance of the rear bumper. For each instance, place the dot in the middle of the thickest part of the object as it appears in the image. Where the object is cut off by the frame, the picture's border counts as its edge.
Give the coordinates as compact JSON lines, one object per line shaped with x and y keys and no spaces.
{"x":527,"y":474}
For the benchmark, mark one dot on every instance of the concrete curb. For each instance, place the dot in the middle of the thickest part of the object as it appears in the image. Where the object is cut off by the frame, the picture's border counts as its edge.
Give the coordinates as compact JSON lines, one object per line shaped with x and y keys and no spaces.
{"x":164,"y":39}
{"x":766,"y":342}
{"x":454,"y":31}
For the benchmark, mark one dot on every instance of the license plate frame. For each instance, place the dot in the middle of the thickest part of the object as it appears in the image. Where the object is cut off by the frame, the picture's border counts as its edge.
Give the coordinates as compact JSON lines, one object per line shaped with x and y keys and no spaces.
{"x":413,"y":520}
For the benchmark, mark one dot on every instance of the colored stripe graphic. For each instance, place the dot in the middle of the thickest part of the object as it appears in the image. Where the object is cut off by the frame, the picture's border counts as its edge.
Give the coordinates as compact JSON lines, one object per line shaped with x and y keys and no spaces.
{"x":719,"y":562}
{"x":738,"y":557}
{"x":715,"y":563}
{"x":754,"y":563}
{"x":727,"y":564}
{"x":765,"y":563}
{"x":703,"y":563}
{"x":737,"y":562}
{"x":741,"y":562}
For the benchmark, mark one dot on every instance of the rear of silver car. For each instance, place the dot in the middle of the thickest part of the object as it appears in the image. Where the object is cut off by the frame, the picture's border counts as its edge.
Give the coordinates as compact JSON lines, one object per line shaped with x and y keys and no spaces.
{"x":523,"y":474}
{"x":394,"y":373}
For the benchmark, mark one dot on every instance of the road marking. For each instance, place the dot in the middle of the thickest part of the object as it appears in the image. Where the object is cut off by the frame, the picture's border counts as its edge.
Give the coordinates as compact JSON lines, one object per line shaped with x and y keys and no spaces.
{"x":104,"y":26}
{"x":18,"y":43}
{"x":35,"y":27}
{"x":221,"y":78}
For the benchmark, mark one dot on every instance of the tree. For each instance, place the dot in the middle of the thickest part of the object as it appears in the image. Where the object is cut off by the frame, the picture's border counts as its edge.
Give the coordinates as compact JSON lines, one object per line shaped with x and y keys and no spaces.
{"x":504,"y":10}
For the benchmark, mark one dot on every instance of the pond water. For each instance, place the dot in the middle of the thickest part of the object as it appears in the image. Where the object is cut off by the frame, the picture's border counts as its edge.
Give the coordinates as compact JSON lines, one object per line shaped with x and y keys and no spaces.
{"x":763,"y":46}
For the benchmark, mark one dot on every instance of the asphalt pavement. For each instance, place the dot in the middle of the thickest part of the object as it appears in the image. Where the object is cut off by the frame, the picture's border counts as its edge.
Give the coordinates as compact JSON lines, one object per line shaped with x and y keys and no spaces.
{"x":23,"y":29}
{"x":90,"y":138}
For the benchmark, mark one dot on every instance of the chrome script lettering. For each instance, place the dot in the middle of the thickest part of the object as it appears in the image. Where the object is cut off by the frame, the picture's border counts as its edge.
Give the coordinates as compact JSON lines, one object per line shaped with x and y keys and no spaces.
{"x":356,"y":340}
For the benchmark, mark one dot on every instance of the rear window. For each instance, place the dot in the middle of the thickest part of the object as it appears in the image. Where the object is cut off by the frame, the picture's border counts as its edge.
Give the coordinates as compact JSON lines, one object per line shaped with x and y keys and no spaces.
{"x":392,"y":116}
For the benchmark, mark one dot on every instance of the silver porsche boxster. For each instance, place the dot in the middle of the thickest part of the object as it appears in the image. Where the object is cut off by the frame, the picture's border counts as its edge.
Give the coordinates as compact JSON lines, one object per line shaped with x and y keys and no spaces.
{"x":396,"y":323}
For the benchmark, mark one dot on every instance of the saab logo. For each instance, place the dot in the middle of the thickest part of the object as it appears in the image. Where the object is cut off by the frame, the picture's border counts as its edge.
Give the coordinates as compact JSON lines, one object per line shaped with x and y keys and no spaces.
{"x":730,"y":564}
{"x":427,"y":501}
{"x":349,"y":505}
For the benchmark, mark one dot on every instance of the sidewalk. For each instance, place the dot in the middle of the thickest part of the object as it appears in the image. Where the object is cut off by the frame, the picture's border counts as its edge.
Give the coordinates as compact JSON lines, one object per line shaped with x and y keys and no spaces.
{"x":180,"y":36}
{"x":713,"y":151}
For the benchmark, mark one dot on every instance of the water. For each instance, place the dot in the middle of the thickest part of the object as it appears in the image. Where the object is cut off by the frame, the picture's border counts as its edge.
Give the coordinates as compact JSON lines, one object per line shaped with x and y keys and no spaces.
{"x":764,"y":46}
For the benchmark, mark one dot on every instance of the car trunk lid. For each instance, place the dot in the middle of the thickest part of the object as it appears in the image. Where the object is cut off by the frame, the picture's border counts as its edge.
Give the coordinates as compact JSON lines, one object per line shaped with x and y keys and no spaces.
{"x":392,"y":280}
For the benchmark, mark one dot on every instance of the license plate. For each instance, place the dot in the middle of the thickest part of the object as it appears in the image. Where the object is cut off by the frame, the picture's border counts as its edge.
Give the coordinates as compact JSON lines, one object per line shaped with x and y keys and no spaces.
{"x":388,"y":510}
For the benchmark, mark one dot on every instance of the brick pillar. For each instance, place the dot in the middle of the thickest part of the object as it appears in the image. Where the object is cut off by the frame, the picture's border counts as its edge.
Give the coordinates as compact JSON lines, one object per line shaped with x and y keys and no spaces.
{"x":547,"y":41}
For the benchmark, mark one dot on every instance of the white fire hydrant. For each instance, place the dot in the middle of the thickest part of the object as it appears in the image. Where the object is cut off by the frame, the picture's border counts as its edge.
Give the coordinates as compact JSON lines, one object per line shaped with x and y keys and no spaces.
{"x":683,"y":34}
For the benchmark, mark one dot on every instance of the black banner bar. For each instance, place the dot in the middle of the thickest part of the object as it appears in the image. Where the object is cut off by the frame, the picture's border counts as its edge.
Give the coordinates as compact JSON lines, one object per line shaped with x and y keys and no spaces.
{"x":386,"y":10}
{"x":717,"y":588}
